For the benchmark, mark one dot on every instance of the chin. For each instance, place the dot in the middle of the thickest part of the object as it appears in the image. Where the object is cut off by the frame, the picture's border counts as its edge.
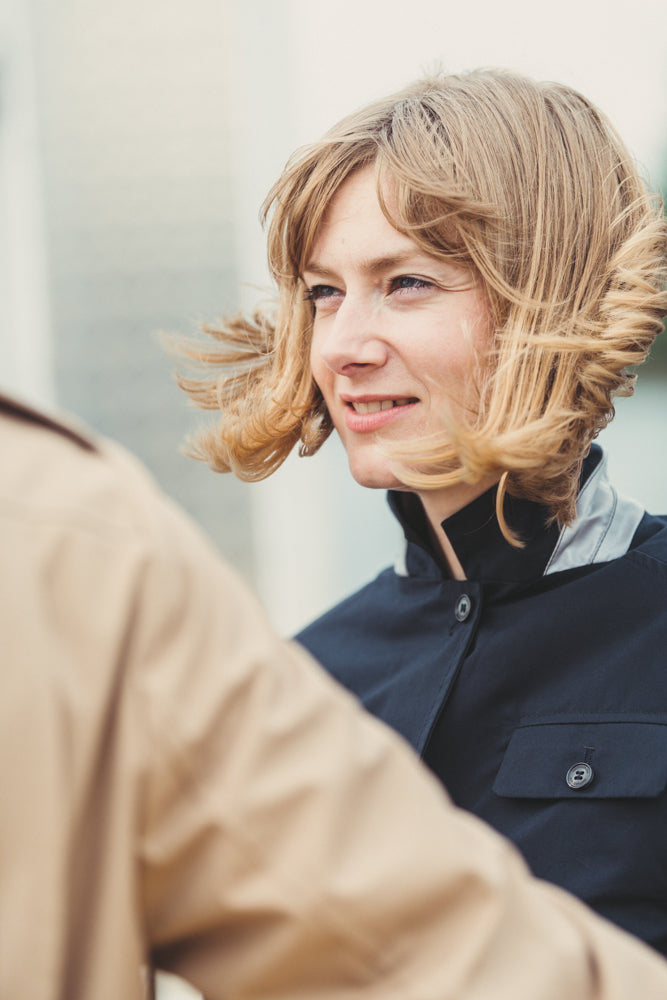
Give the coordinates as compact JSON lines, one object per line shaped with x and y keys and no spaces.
{"x":374,"y":479}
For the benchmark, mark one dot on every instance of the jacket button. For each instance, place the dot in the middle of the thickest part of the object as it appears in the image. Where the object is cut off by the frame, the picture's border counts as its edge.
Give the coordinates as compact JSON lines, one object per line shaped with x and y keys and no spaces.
{"x":580,"y":775}
{"x":463,"y":608}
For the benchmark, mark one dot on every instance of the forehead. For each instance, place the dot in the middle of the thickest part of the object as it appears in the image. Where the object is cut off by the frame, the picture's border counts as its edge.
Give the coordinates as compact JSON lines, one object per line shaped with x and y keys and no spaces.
{"x":354,"y":223}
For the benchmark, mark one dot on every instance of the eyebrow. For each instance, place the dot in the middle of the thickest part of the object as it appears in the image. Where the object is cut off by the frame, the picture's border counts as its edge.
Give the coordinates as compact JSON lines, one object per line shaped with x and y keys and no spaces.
{"x":371,"y":266}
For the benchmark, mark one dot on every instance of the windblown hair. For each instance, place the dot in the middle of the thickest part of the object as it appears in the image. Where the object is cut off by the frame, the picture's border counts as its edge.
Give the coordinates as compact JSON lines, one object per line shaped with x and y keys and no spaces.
{"x":528,"y":184}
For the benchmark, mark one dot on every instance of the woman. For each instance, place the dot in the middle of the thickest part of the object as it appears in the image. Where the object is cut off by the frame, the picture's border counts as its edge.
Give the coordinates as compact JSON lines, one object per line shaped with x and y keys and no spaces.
{"x":467,"y":272}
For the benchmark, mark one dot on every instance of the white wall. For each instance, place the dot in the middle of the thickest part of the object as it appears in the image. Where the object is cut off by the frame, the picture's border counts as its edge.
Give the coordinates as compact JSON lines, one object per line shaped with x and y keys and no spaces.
{"x":26,"y":361}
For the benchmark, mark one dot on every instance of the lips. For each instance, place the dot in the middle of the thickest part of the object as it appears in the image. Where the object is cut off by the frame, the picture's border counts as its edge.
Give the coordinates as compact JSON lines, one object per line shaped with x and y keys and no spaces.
{"x":365,"y":415}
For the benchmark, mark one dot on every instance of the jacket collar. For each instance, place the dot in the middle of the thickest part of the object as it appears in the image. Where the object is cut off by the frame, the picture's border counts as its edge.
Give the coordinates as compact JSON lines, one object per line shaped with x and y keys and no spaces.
{"x":602,"y":530}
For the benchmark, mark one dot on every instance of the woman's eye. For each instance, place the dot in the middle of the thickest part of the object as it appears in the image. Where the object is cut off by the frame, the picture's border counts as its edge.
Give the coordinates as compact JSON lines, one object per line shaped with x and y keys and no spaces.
{"x":319,"y":292}
{"x":407,"y":282}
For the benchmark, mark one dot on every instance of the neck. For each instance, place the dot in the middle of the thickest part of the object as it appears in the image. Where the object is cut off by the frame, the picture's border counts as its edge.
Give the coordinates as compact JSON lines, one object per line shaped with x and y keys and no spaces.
{"x":439,"y":505}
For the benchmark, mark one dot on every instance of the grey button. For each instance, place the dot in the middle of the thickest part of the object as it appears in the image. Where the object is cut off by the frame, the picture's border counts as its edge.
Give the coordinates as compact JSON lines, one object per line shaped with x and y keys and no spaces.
{"x":463,"y":608}
{"x":580,"y":775}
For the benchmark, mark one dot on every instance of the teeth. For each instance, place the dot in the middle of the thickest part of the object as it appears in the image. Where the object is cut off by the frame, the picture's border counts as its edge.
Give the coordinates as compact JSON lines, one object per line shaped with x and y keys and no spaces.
{"x":379,"y":404}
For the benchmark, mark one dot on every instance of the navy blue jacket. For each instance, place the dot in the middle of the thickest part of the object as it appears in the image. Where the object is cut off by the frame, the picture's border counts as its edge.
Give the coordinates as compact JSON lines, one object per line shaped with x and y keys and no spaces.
{"x":536,"y":689}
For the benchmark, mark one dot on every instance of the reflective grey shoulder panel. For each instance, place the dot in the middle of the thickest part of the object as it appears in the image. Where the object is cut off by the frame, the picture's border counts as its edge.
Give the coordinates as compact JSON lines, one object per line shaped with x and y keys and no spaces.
{"x":603,"y":528}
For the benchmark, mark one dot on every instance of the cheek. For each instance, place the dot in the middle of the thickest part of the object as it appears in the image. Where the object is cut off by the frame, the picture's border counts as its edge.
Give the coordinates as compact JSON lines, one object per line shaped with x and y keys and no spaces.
{"x":484,"y":326}
{"x":476,"y":341}
{"x":314,"y":361}
{"x":318,"y":368}
{"x":484,"y":343}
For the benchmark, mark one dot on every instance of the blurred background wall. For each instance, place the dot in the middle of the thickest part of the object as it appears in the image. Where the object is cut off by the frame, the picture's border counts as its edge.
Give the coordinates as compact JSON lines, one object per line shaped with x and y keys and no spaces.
{"x":137,"y":141}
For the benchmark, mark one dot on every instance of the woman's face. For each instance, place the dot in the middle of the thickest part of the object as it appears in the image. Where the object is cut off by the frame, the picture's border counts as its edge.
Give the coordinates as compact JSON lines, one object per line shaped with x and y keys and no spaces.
{"x":398,"y":335}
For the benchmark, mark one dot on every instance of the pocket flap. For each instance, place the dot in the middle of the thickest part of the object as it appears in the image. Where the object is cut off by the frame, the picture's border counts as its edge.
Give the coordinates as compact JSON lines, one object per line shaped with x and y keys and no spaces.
{"x":575,"y":759}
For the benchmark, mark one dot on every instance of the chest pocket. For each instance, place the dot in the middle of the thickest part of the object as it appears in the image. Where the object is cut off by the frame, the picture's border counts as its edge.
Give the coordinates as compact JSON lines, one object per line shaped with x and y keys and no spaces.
{"x":575,"y":759}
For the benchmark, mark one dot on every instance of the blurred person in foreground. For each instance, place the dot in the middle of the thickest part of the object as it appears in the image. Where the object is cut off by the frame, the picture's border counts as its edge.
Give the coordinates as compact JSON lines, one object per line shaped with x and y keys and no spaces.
{"x":181,"y":790}
{"x":468,"y":272}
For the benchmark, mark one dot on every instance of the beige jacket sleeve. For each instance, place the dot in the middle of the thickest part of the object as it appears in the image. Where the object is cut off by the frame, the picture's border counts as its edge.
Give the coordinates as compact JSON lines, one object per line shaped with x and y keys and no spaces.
{"x":181,"y":787}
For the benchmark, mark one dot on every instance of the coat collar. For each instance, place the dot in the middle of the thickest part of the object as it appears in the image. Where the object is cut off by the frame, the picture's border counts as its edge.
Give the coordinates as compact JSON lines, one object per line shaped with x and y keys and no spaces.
{"x":602,"y":530}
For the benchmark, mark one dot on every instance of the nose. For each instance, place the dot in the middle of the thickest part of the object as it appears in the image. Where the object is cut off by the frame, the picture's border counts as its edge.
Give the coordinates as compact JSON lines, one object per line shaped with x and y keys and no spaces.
{"x":351,"y":340}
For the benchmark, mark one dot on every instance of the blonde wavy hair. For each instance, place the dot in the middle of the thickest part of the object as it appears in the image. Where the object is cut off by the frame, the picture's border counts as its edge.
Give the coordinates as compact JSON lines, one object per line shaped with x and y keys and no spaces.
{"x":528,"y":184}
